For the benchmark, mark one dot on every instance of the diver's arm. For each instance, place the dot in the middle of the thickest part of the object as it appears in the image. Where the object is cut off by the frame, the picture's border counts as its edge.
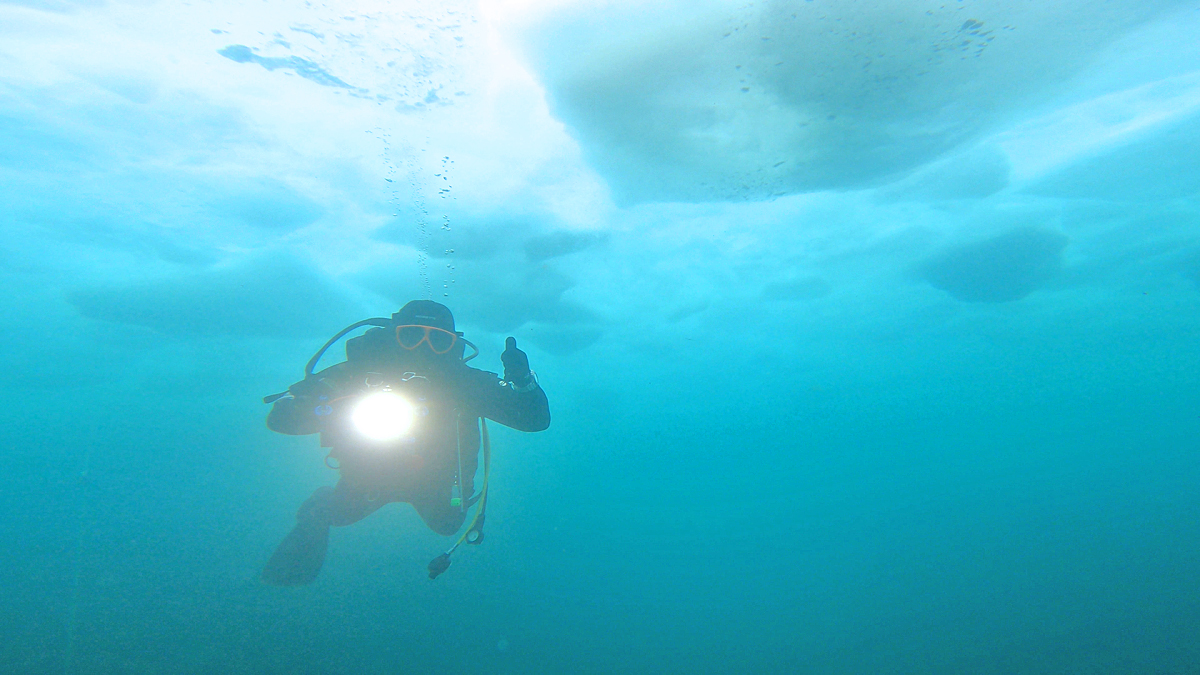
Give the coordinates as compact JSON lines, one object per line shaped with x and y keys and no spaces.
{"x":296,"y":413}
{"x":524,"y":410}
{"x":294,"y":416}
{"x":522,"y":401}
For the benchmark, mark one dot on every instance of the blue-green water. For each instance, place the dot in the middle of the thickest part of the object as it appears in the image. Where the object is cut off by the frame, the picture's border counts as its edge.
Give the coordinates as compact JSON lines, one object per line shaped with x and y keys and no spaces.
{"x":869,"y":331}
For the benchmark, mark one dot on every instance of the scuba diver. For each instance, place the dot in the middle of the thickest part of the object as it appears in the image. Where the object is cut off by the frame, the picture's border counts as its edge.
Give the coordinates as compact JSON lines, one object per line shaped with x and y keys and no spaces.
{"x":403,"y":417}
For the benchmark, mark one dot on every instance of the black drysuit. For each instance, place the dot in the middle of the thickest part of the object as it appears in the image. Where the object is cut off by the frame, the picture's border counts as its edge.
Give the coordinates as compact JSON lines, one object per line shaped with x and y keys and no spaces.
{"x":420,"y":469}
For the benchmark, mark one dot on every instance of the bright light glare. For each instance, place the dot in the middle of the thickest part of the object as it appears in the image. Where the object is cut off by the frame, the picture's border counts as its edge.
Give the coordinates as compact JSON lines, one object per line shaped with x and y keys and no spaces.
{"x":383,"y":416}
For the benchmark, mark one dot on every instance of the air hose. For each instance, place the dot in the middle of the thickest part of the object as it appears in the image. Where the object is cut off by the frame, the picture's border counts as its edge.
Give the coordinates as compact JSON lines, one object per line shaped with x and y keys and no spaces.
{"x":474,"y":531}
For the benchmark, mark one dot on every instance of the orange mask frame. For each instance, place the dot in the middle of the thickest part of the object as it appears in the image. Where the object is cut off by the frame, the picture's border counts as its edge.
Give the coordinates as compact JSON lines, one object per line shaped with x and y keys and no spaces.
{"x":425,"y":338}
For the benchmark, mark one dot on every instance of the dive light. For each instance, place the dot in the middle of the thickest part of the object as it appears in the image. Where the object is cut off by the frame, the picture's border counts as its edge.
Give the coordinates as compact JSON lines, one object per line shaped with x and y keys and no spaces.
{"x":383,"y":416}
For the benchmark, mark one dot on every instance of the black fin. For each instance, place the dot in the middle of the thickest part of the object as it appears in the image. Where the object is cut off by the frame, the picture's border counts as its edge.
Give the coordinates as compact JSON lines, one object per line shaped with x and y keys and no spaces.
{"x":299,"y":556}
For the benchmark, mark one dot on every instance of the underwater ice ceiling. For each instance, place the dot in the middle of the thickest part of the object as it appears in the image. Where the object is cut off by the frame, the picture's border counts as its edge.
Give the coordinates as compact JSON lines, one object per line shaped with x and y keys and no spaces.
{"x":586,"y":168}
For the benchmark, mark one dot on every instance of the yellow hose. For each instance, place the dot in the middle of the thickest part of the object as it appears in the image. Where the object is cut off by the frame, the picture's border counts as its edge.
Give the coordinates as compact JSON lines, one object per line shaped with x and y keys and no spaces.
{"x":483,"y":493}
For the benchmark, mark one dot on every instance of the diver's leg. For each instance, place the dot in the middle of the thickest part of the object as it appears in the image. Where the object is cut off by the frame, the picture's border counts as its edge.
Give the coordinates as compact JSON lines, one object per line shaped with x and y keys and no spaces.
{"x":299,"y":557}
{"x":435,"y":509}
{"x":351,"y":502}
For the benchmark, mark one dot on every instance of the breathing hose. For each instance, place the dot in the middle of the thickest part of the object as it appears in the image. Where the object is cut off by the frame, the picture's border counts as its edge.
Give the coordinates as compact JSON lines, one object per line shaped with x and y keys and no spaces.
{"x":474,"y":532}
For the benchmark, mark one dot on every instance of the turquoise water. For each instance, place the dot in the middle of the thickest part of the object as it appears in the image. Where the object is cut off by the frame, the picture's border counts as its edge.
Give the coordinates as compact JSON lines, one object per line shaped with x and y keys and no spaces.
{"x":869,"y":331}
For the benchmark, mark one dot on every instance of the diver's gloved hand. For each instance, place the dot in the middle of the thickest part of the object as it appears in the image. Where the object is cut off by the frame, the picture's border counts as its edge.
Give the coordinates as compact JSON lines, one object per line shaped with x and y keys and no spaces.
{"x":310,"y":388}
{"x":516,"y":364}
{"x":295,"y":412}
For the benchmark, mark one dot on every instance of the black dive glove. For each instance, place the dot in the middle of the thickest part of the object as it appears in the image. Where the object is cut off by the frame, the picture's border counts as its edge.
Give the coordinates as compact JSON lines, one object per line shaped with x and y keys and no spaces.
{"x":516,"y":365}
{"x":310,"y":388}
